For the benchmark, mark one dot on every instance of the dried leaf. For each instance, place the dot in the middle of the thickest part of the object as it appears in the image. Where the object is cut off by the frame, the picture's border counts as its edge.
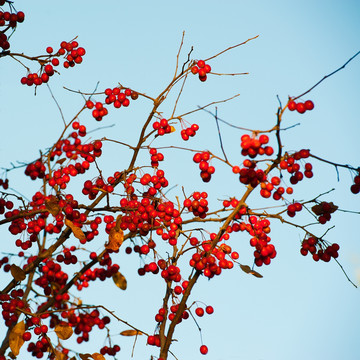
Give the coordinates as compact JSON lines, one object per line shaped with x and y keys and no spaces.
{"x":63,"y":331}
{"x":256,"y":274}
{"x":78,"y":233}
{"x":116,"y":238}
{"x":97,"y":356}
{"x":319,"y":209}
{"x":16,"y":340}
{"x":85,"y":356}
{"x":172,"y":129}
{"x":61,"y":161}
{"x":119,"y":280}
{"x":130,"y":333}
{"x":17,"y":272}
{"x":245,"y":268}
{"x":52,"y":205}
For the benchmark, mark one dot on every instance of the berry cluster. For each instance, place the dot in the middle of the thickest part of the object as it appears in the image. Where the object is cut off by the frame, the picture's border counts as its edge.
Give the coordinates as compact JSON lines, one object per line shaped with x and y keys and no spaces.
{"x":91,"y":189}
{"x":292,"y":209}
{"x":189,"y":132}
{"x":264,"y":251}
{"x":300,"y":107}
{"x":112,"y":350}
{"x":202,"y":69}
{"x":10,"y":305}
{"x":212,"y":264}
{"x":203,"y":160}
{"x":35,"y":170}
{"x":162,"y":127}
{"x":248,"y":175}
{"x":73,"y":54}
{"x":316,"y":246}
{"x":8,"y":21}
{"x":155,"y":157}
{"x":199,"y":205}
{"x":290,"y":164}
{"x":114,"y":96}
{"x":5,"y":205}
{"x":252,"y":146}
{"x":4,"y":183}
{"x":355,"y":188}
{"x":324,"y":211}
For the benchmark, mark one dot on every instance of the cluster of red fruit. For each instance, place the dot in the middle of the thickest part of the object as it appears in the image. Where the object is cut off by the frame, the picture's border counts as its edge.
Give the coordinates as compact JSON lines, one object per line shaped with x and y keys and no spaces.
{"x":199,"y":311}
{"x":35,"y":170}
{"x":211,"y":264}
{"x":5,"y":205}
{"x":324,"y":211}
{"x":314,"y":246}
{"x":300,"y":107}
{"x":252,"y":146}
{"x":202,"y":69}
{"x":293,"y":208}
{"x":203,"y":160}
{"x":199,"y":205}
{"x":290,"y":164}
{"x":264,"y":251}
{"x":91,"y":189}
{"x":248,"y":174}
{"x":355,"y":188}
{"x":155,"y":157}
{"x":189,"y":132}
{"x":112,"y":350}
{"x":162,"y":127}
{"x":8,"y":21}
{"x":114,"y":96}
{"x":4,"y":183}
{"x":10,"y":305}
{"x":73,"y":54}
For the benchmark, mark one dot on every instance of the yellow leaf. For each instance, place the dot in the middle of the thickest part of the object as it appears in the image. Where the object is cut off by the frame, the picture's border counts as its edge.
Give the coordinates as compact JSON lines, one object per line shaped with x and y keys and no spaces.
{"x":60,"y":355}
{"x":16,"y":340}
{"x":119,"y":280}
{"x":116,"y":238}
{"x":63,"y":331}
{"x":52,"y":205}
{"x":97,"y":356}
{"x":172,"y":129}
{"x":78,"y":233}
{"x":130,"y":332}
{"x":17,"y":273}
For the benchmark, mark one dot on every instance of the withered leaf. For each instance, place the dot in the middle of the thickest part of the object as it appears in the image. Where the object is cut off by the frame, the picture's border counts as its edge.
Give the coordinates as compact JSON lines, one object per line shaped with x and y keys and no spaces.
{"x":130,"y":332}
{"x":63,"y":331}
{"x":78,"y":233}
{"x":248,"y":270}
{"x":119,"y":280}
{"x":85,"y":356}
{"x":97,"y":356}
{"x":17,"y":272}
{"x":116,"y":238}
{"x":319,"y":208}
{"x":245,"y":268}
{"x":16,"y":340}
{"x":61,"y":161}
{"x":256,"y":274}
{"x":52,"y":205}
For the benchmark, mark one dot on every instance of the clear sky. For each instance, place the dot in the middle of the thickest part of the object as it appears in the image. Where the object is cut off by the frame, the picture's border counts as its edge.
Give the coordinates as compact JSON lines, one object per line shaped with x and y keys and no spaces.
{"x":300,"y":309}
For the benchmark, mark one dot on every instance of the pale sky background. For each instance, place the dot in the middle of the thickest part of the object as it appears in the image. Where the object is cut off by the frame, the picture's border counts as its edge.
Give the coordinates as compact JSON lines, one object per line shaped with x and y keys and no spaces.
{"x":300,"y":309}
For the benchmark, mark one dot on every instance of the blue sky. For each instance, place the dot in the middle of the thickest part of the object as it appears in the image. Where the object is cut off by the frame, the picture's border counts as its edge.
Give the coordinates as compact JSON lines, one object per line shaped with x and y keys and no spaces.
{"x":300,"y":309}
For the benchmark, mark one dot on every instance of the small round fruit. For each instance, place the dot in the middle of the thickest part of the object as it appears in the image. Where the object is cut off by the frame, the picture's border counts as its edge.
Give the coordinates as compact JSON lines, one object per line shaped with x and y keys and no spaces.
{"x":204,"y":349}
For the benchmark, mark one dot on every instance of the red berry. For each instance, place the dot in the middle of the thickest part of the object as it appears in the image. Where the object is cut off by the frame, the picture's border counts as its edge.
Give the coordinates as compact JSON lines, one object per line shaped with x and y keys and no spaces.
{"x":309,"y":105}
{"x":203,"y":349}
